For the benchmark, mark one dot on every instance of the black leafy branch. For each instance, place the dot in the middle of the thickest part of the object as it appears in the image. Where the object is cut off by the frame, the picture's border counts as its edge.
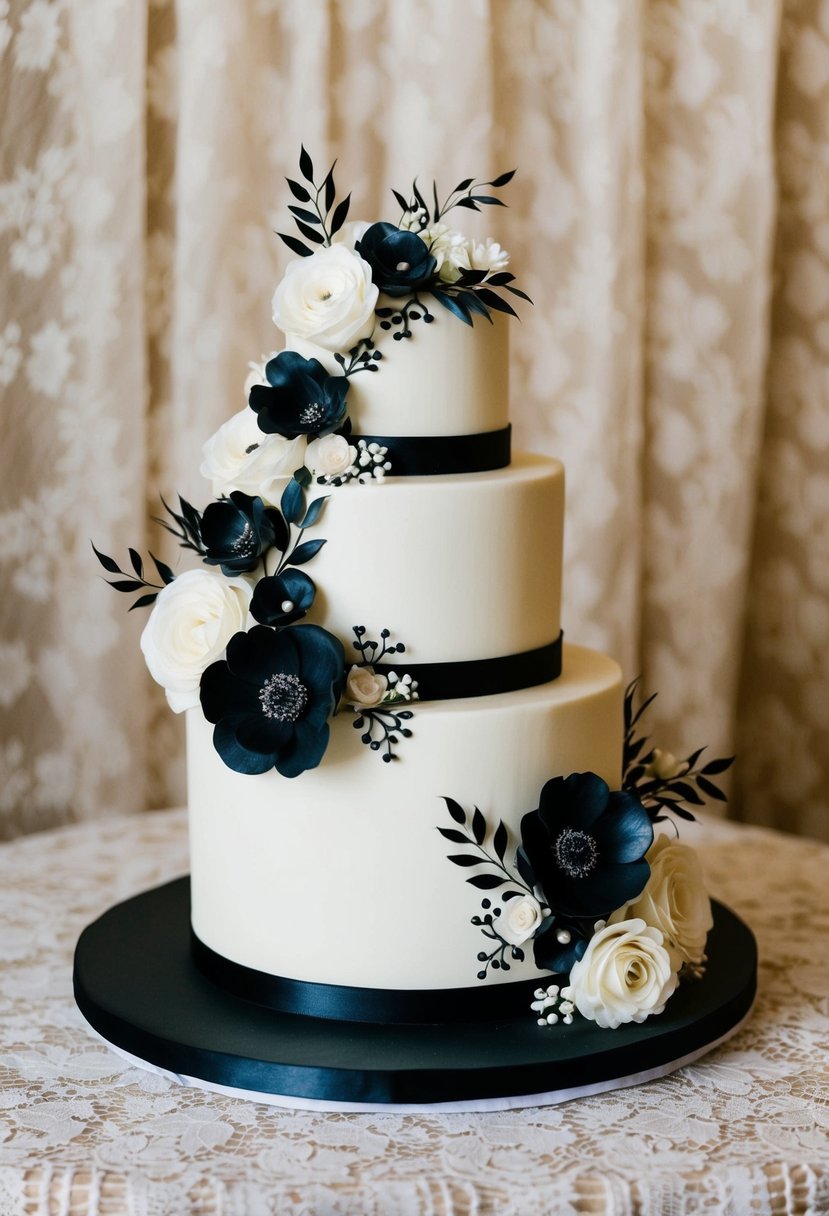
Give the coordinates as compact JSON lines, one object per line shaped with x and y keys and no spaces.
{"x":294,"y":511}
{"x":464,"y":195}
{"x":471,"y":833}
{"x":186,"y":525}
{"x":317,"y":214}
{"x":664,"y":795}
{"x":131,"y":581}
{"x":474,"y":293}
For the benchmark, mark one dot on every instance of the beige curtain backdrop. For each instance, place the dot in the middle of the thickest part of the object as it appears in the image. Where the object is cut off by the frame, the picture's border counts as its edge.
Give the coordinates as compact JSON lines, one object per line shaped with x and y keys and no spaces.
{"x":669,"y":219}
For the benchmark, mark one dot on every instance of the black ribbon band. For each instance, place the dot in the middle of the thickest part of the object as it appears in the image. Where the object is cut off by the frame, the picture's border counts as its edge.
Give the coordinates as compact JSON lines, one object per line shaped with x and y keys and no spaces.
{"x":482,"y":677}
{"x":380,"y":1006}
{"x":434,"y":455}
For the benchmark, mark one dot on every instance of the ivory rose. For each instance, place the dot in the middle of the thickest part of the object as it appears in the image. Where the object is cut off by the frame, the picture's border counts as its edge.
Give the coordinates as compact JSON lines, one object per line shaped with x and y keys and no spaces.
{"x":364,"y":687}
{"x":242,"y":457}
{"x":330,"y":456}
{"x":625,"y":975}
{"x":327,"y":299}
{"x":192,"y":620}
{"x":520,"y":919}
{"x":674,"y":900}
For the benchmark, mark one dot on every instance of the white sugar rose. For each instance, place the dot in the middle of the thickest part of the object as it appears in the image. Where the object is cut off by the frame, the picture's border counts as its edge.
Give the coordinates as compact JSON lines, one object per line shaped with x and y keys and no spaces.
{"x":675,"y":900}
{"x":625,"y":975}
{"x":364,"y":687}
{"x":520,"y":919}
{"x":327,"y":298}
{"x":330,"y":456}
{"x":488,"y":256}
{"x":449,"y":248}
{"x":192,"y":620}
{"x":241,"y":457}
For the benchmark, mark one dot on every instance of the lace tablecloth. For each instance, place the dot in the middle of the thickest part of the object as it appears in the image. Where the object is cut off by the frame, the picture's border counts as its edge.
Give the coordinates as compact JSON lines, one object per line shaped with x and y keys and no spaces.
{"x":744,"y":1131}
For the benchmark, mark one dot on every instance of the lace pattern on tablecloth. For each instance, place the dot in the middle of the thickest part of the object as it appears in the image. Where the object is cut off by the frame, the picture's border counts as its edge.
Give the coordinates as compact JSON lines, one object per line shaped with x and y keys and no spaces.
{"x":746,"y":1130}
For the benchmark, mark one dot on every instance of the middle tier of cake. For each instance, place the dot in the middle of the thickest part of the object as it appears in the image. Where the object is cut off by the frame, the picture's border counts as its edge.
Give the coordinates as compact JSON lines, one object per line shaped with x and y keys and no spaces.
{"x":458,"y":568}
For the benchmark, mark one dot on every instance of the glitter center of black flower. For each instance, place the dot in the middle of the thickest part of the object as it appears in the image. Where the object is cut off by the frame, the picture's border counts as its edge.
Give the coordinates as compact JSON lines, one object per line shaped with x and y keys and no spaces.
{"x":576,"y":853}
{"x":283,"y":697}
{"x":245,"y":544}
{"x":311,"y":413}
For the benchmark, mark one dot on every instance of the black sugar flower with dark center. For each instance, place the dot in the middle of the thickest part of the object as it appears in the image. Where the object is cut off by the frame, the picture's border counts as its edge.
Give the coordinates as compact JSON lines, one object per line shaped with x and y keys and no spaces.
{"x":585,"y":847}
{"x":237,"y":532}
{"x":300,"y":398}
{"x":271,"y":697}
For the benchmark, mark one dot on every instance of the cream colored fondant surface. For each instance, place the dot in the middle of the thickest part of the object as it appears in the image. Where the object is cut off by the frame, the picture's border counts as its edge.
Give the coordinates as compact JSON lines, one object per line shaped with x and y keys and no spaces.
{"x":340,"y":875}
{"x":446,"y":379}
{"x":456,"y":567}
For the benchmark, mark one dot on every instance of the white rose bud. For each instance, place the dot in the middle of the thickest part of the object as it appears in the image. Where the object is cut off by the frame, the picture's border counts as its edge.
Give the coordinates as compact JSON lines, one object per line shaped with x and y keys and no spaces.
{"x":674,"y":900}
{"x":241,"y":457}
{"x":625,"y":975}
{"x":327,"y":299}
{"x":519,"y":920}
{"x":330,"y":456}
{"x":364,"y":687}
{"x":191,"y":623}
{"x":664,"y":765}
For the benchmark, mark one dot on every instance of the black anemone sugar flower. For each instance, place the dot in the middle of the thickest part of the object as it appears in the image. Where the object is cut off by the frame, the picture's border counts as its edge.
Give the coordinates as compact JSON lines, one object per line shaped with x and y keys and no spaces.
{"x":585,"y":846}
{"x":238,"y":530}
{"x":271,"y":697}
{"x":400,"y":261}
{"x":300,"y":398}
{"x":281,"y":599}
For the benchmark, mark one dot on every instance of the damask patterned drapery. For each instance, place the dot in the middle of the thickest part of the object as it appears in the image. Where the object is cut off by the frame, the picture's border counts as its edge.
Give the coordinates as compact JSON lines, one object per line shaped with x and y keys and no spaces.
{"x":669,"y":220}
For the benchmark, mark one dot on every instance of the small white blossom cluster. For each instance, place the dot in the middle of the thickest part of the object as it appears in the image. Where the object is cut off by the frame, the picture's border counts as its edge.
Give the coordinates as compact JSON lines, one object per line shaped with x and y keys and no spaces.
{"x":553,"y":1004}
{"x":400,"y":688}
{"x":371,"y":463}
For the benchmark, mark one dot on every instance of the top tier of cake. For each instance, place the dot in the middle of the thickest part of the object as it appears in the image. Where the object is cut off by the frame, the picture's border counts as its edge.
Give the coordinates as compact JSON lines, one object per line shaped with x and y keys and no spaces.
{"x":446,"y":379}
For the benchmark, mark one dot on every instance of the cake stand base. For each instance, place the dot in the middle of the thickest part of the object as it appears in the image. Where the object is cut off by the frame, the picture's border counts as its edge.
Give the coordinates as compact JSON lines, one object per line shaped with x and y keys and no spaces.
{"x":136,"y":985}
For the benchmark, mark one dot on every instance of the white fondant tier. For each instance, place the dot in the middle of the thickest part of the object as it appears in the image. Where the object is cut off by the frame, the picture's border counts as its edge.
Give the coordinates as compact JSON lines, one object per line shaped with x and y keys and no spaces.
{"x":340,"y":876}
{"x":458,"y":568}
{"x":448,"y":378}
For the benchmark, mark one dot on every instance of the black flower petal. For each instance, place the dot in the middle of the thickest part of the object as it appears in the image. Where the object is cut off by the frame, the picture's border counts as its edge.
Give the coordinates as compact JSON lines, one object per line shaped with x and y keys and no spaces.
{"x":400,"y":261}
{"x":300,"y":398}
{"x":271,"y":697}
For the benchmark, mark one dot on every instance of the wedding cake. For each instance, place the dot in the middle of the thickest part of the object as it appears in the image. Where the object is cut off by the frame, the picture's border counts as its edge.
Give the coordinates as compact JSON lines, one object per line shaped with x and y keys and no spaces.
{"x":409,"y":800}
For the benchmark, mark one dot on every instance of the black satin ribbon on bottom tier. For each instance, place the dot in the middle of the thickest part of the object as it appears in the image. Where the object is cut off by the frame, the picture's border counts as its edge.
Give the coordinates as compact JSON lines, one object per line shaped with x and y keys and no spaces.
{"x":380,"y":1006}
{"x":440,"y":455}
{"x":482,"y":677}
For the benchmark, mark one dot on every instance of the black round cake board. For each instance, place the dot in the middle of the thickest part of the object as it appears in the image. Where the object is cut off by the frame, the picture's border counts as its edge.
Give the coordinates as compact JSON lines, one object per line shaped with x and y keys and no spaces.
{"x":136,"y":985}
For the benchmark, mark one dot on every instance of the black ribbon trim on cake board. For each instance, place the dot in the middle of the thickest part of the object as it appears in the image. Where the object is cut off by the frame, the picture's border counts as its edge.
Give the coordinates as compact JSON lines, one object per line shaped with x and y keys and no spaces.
{"x":482,"y":677}
{"x":138,"y":987}
{"x":380,"y":1006}
{"x":439,"y":455}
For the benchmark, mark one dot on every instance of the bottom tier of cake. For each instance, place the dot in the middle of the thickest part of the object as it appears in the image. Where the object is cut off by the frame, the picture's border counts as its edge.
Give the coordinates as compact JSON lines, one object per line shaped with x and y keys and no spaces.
{"x":340,"y":877}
